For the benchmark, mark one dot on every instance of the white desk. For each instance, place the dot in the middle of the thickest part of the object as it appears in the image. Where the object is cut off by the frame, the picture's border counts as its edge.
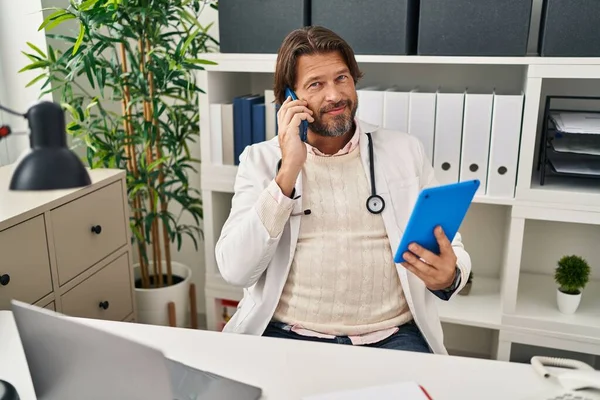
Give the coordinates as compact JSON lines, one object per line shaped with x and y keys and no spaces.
{"x":288,"y":369}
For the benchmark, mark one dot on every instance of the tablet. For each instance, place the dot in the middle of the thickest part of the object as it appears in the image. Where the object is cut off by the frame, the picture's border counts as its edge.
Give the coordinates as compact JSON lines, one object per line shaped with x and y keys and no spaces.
{"x":444,"y":205}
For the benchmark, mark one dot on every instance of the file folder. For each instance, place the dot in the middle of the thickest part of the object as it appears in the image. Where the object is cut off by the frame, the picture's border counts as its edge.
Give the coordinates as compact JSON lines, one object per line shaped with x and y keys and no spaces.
{"x":216,"y":134}
{"x":421,"y":120}
{"x":270,"y":115}
{"x":370,"y":105}
{"x":448,"y":134}
{"x":504,"y":145}
{"x":476,"y":138}
{"x":395,"y":109}
{"x":227,"y":128}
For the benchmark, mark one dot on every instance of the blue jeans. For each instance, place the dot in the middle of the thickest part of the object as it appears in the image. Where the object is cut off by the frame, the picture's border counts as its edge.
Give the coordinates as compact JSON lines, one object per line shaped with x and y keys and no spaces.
{"x":408,"y":338}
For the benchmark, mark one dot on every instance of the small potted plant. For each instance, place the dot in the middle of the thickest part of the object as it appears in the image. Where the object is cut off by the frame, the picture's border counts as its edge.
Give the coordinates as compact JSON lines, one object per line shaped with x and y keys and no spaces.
{"x":467,"y":289}
{"x":572,"y":274}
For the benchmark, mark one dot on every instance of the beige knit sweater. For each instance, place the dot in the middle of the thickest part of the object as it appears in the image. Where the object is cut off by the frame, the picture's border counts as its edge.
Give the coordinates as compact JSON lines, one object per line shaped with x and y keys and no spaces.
{"x":343,"y":280}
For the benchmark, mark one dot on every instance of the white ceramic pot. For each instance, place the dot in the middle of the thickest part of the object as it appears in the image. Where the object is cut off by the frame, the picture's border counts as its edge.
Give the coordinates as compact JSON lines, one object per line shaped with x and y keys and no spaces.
{"x":567,"y":303}
{"x":152,"y":304}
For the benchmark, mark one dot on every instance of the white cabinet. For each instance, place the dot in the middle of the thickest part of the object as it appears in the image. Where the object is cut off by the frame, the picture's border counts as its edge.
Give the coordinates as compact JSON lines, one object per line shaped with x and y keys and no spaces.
{"x":67,"y":250}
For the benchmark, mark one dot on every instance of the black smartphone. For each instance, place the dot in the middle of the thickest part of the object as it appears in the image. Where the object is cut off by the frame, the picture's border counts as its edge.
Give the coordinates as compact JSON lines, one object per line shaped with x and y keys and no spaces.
{"x":304,"y":124}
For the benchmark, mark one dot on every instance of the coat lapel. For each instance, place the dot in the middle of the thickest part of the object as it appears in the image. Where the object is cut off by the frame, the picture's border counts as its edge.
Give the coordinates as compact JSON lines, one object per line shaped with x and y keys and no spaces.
{"x":382,"y":189}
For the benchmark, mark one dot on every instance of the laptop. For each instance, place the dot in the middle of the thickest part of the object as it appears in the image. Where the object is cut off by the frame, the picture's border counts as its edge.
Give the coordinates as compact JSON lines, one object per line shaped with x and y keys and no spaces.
{"x":69,"y":360}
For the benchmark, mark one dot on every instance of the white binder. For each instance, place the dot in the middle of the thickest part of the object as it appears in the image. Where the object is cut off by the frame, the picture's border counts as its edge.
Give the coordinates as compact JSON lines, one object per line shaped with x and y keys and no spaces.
{"x":370,"y":105}
{"x":421,"y":120}
{"x":448,"y":134}
{"x":270,"y":114}
{"x":476,"y":138}
{"x":395,"y":109}
{"x":216,"y":134}
{"x":227,"y":137}
{"x":504,"y":145}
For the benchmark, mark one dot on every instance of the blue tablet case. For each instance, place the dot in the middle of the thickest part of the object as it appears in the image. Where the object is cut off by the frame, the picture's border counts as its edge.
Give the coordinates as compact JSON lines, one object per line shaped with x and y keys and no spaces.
{"x":444,"y":205}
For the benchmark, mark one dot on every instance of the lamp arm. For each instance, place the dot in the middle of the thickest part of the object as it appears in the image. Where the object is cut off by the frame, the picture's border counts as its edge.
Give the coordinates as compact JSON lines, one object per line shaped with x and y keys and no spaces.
{"x":5,"y":130}
{"x":8,"y":110}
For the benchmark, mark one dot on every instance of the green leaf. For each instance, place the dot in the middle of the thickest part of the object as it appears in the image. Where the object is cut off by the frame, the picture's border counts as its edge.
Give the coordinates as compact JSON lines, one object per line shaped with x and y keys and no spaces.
{"x":57,"y":21}
{"x":61,"y":37}
{"x":35,"y":65}
{"x":58,"y":13}
{"x":79,"y":38}
{"x":200,"y":61}
{"x":87,"y":5}
{"x":31,"y":57}
{"x":36,"y":49}
{"x":34,"y":80}
{"x":51,"y":54}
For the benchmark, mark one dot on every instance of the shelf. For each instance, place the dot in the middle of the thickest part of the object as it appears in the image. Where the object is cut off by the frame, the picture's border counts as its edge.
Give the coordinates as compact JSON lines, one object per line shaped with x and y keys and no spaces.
{"x":221,"y":178}
{"x":576,"y":192}
{"x":266,"y":62}
{"x":480,"y":308}
{"x":218,"y":178}
{"x":537,"y":309}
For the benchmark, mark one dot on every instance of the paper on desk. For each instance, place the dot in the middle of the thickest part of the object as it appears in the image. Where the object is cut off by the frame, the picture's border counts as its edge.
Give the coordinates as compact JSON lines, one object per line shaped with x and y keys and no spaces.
{"x":396,"y":391}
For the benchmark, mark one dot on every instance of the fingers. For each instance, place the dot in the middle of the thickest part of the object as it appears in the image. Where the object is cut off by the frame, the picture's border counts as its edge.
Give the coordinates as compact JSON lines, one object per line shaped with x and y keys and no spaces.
{"x":421,"y":252}
{"x":294,"y":110}
{"x":299,"y":118}
{"x":288,"y":110}
{"x":419,"y":272}
{"x":420,"y":267}
{"x":442,"y":239}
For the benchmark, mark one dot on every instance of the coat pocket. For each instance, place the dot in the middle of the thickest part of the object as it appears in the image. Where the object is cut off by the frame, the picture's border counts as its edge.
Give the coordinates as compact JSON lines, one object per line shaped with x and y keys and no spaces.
{"x":403,"y":194}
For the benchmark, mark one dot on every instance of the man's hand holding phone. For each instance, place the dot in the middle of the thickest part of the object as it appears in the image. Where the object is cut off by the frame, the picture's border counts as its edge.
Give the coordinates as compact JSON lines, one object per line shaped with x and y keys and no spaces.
{"x":293,"y":150}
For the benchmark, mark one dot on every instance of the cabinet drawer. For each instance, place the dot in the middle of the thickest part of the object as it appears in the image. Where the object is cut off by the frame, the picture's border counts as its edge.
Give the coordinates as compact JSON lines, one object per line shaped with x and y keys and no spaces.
{"x":104,"y":295}
{"x":24,"y":263}
{"x":78,"y":242}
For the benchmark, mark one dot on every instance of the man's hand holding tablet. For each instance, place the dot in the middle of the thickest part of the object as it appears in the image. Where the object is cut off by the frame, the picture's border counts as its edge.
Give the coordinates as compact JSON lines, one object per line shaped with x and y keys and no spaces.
{"x":426,"y":246}
{"x":436,"y":271}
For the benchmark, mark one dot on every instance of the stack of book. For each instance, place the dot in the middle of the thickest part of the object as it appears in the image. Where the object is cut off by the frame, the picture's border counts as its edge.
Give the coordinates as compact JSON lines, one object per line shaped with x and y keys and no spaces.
{"x":244,"y":121}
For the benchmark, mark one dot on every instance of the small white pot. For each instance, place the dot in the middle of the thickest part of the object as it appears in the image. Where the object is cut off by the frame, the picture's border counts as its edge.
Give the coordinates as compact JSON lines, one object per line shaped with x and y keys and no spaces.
{"x":152,"y":304}
{"x":567,"y":303}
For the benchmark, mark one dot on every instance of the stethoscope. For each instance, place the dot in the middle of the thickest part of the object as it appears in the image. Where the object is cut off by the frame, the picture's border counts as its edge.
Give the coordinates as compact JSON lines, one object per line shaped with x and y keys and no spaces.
{"x":375,"y":203}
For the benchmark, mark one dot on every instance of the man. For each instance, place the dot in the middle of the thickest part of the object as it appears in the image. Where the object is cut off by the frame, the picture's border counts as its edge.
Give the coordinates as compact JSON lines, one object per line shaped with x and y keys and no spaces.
{"x":314,"y":262}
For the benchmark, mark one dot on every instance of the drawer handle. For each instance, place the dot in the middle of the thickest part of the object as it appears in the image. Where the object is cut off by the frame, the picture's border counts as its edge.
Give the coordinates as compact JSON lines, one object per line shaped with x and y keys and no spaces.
{"x":97,"y":229}
{"x":103,"y":305}
{"x":4,"y":279}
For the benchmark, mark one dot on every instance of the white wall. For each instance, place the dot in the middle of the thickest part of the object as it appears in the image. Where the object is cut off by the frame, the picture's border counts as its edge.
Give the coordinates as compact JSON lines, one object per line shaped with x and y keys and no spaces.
{"x":19,"y":22}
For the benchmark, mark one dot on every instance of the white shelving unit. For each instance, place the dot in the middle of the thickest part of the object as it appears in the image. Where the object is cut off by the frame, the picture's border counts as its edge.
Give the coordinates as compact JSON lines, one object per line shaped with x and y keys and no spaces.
{"x":514,"y":242}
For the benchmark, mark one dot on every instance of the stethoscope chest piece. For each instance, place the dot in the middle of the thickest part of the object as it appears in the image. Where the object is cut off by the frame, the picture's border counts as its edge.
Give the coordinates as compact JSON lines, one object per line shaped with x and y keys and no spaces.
{"x":375,"y":204}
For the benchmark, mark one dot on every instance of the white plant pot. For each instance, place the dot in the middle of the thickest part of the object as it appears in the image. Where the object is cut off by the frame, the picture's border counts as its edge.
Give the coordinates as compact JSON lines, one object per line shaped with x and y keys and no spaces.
{"x":152,"y":304}
{"x":567,"y":303}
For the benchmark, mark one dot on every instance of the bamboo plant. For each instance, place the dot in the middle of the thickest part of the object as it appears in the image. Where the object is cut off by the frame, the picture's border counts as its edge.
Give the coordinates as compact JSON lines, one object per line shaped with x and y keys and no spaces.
{"x":127,"y":80}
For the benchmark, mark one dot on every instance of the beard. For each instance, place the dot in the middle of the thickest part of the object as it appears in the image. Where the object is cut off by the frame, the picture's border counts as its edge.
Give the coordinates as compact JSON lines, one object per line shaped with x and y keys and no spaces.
{"x":338,"y":125}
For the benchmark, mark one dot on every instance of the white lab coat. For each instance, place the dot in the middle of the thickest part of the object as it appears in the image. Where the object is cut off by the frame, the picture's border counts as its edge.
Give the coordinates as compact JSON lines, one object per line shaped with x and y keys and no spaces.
{"x":249,"y":258}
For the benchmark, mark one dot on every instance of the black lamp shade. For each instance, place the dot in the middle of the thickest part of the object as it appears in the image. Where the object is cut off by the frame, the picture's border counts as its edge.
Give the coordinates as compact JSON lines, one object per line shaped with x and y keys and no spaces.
{"x":50,"y":164}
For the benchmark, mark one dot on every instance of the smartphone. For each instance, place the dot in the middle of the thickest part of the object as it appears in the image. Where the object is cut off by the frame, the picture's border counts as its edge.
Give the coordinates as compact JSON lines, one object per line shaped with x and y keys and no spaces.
{"x":304,"y":124}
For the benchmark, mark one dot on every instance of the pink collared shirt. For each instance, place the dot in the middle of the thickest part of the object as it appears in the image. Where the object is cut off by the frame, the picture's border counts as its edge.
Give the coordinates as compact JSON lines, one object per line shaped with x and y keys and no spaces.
{"x":278,"y":195}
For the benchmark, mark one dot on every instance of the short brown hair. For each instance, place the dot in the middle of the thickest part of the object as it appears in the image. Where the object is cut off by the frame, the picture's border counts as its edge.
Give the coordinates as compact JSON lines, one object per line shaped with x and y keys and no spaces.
{"x":309,"y":40}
